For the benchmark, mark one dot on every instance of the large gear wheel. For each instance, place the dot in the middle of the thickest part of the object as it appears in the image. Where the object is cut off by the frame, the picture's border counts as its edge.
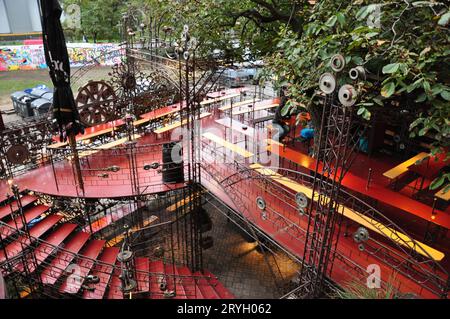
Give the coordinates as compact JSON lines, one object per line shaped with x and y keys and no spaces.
{"x":96,"y":103}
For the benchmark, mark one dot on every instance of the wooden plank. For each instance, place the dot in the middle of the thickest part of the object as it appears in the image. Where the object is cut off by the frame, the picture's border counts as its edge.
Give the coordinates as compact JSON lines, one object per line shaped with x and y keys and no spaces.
{"x":398,"y":170}
{"x":357,"y":217}
{"x":256,"y":109}
{"x":239,"y":104}
{"x":95,"y":134}
{"x":443,"y":195}
{"x":141,"y":121}
{"x":176,"y":124}
{"x":159,"y":113}
{"x":219,"y":99}
{"x":105,"y":146}
{"x":227,"y":92}
{"x":57,"y":145}
{"x":228,"y":145}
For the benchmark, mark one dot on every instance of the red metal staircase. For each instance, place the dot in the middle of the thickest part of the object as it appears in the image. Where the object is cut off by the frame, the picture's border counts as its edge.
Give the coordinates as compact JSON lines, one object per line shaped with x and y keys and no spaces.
{"x":68,"y":262}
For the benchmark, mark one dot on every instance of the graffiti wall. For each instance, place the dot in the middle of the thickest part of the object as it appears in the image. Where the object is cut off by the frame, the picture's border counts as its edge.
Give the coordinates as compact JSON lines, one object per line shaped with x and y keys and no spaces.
{"x":31,"y":57}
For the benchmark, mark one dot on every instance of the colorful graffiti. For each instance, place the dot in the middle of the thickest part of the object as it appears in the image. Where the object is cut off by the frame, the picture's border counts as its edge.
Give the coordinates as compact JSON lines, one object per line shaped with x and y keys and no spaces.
{"x":31,"y":57}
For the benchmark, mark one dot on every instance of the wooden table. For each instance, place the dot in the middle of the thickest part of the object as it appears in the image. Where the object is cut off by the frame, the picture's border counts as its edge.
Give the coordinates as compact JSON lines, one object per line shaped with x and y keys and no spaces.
{"x":355,"y":216}
{"x":402,"y":168}
{"x":162,"y":112}
{"x":227,"y":92}
{"x":430,"y":166}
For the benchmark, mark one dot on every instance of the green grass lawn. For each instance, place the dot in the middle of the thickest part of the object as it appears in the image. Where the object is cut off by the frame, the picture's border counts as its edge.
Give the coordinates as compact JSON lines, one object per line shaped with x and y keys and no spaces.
{"x":12,"y":81}
{"x":8,"y":87}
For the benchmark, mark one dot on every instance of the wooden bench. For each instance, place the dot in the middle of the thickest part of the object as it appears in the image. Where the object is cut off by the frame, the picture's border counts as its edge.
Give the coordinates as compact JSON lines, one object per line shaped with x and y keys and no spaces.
{"x":82,"y":138}
{"x":442,"y":194}
{"x":57,"y":145}
{"x":402,"y":168}
{"x":355,"y":216}
{"x":236,"y":149}
{"x":256,"y":109}
{"x":154,"y":115}
{"x":219,"y":99}
{"x":176,"y":124}
{"x":239,"y":104}
{"x":106,"y":146}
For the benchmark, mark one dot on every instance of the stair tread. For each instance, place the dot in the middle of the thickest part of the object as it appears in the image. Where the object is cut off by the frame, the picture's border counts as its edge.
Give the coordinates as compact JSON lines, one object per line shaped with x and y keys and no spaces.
{"x":192,"y":291}
{"x":25,"y":200}
{"x":223,"y":292}
{"x":114,"y":291}
{"x":157,"y":273}
{"x":16,"y":247}
{"x":73,"y":283}
{"x":56,"y":268}
{"x":103,"y":272}
{"x":172,"y":284}
{"x":205,"y":287}
{"x":143,"y":278}
{"x":46,"y":249}
{"x":30,"y":214}
{"x":109,"y":219}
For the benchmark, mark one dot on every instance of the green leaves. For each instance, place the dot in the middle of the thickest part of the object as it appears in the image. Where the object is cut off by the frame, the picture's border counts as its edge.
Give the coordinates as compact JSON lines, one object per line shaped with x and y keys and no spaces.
{"x":409,"y":66}
{"x":388,"y":89}
{"x":391,"y":68}
{"x":341,"y":19}
{"x":363,"y":112}
{"x":331,"y":21}
{"x":443,"y":21}
{"x":338,"y":17}
{"x":445,"y":95}
{"x":365,"y":11}
{"x":438,"y":182}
